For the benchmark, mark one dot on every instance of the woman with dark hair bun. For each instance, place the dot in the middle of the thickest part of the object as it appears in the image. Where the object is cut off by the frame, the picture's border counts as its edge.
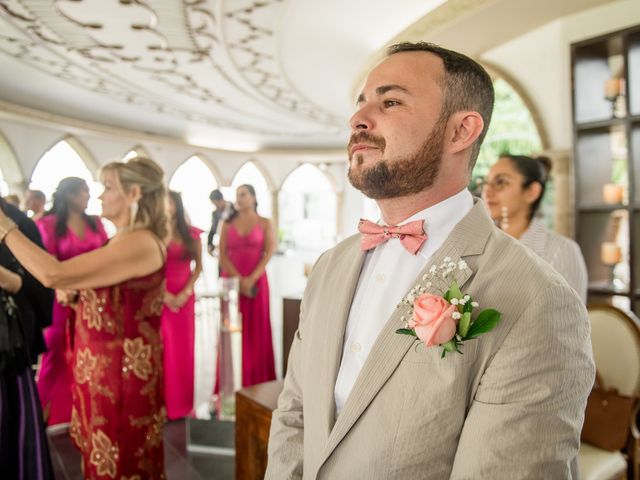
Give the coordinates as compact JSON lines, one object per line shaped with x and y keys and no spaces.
{"x":178,"y":315}
{"x":66,"y":231}
{"x":513,"y":191}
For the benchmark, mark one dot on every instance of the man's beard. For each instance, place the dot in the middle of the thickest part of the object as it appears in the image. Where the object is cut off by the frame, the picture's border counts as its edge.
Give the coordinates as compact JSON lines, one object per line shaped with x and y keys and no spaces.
{"x":401,"y":177}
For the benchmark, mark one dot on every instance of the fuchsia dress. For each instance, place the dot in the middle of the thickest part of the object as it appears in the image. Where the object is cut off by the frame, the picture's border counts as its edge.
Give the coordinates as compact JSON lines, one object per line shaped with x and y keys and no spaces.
{"x":54,"y":380}
{"x":178,"y":331}
{"x":245,"y":252}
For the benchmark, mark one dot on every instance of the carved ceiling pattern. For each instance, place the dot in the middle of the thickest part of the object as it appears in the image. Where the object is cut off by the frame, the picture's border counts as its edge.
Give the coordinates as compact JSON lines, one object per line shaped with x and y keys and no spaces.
{"x":252,"y":43}
{"x":206,"y":61}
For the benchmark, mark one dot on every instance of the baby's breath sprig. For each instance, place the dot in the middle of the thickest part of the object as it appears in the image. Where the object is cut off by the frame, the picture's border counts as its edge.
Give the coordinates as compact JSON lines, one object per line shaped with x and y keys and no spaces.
{"x":440,"y":277}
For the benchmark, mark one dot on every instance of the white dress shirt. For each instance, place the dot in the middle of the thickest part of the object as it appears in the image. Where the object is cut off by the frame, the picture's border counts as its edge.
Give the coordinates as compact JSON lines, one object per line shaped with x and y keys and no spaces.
{"x":388,"y":273}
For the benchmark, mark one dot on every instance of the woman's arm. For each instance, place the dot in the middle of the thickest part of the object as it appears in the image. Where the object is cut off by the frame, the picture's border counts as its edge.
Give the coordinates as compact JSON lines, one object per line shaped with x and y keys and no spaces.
{"x":130,"y":255}
{"x":10,"y":281}
{"x":225,"y":263}
{"x":186,"y":292}
{"x":269,"y":248}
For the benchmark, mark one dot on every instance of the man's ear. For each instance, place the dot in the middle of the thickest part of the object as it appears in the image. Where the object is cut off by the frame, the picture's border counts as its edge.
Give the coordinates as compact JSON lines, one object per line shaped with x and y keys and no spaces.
{"x":464,"y":129}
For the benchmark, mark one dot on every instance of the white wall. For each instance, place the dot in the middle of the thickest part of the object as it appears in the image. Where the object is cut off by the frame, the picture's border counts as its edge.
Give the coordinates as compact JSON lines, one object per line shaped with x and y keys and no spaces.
{"x":539,"y":62}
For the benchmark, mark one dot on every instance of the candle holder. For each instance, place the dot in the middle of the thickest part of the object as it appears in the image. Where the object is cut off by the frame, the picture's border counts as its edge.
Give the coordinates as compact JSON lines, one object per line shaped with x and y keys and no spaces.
{"x":611,"y":256}
{"x":229,"y":349}
{"x":614,"y":89}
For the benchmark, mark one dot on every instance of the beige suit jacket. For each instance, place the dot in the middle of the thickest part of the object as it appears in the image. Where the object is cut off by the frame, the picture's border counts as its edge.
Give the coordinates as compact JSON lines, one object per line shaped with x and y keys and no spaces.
{"x":510,"y":408}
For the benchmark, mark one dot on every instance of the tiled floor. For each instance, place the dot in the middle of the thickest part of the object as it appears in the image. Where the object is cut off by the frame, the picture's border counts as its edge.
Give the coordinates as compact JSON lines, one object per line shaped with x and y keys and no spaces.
{"x":179,"y":463}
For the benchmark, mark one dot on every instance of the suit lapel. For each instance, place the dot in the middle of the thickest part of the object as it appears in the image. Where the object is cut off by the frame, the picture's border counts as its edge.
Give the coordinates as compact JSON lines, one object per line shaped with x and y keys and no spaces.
{"x":344,"y":280}
{"x":468,"y":238}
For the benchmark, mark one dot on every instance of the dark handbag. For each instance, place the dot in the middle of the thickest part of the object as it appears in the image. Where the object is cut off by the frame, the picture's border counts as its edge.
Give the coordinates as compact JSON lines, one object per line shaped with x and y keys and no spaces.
{"x":607,"y":418}
{"x":14,"y":352}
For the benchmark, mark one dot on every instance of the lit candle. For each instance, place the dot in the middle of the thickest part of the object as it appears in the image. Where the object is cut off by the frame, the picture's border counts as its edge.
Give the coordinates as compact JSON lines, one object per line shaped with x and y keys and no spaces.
{"x":610,"y":253}
{"x":612,"y":193}
{"x":613,"y":88}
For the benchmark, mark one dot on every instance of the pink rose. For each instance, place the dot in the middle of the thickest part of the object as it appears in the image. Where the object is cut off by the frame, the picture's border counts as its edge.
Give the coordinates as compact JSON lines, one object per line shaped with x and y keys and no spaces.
{"x":432,"y":319}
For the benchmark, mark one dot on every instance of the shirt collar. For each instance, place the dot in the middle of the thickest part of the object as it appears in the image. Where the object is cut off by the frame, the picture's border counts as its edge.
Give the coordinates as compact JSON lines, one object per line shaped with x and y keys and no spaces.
{"x":441,"y":218}
{"x":439,"y":214}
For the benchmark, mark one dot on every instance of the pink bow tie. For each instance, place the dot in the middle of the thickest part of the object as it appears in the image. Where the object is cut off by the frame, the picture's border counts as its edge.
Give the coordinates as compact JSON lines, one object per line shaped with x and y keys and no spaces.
{"x":411,"y":234}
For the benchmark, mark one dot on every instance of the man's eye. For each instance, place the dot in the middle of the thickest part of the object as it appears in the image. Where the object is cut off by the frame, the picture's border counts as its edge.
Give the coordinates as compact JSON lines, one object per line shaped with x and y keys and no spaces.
{"x":391,"y":103}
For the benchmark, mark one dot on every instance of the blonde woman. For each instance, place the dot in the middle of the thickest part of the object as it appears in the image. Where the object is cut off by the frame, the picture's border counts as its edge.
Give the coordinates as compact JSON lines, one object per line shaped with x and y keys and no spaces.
{"x":117,"y":407}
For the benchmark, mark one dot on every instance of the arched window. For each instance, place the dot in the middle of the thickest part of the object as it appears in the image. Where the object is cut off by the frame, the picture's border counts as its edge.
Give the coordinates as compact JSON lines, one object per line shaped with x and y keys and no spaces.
{"x":63,"y":161}
{"x":512,"y":130}
{"x":194,"y":181}
{"x":4,"y":187}
{"x":250,"y":174}
{"x":307,"y":210}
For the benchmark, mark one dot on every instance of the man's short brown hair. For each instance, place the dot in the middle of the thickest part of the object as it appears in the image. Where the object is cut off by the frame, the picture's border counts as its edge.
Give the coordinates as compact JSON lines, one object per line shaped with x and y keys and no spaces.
{"x":466,"y":85}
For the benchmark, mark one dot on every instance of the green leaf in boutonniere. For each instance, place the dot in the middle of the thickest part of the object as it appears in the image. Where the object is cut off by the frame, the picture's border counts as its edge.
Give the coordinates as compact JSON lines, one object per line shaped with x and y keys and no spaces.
{"x":406,"y":331}
{"x":453,"y":292}
{"x":485,"y":322}
{"x":464,"y":324}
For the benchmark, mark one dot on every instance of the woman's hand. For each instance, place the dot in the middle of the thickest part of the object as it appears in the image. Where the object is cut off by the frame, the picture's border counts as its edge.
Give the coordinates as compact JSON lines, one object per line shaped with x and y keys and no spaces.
{"x":67,"y":297}
{"x":246,"y":286}
{"x":182,"y":298}
{"x":170,"y":300}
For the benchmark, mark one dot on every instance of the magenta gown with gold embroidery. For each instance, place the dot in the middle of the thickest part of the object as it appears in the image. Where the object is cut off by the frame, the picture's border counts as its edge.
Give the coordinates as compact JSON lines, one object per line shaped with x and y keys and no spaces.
{"x":54,"y":379}
{"x":245,"y":252}
{"x":118,"y":411}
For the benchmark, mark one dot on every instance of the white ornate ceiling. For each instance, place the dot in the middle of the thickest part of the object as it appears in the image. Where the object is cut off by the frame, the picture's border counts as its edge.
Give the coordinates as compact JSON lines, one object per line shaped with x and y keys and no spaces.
{"x":236,"y":74}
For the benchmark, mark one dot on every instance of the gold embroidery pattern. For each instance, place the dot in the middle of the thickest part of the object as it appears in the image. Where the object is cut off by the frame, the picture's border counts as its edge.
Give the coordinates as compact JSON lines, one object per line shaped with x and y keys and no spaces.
{"x":75,"y":429}
{"x":137,"y":358}
{"x":95,"y":310}
{"x":83,"y":368}
{"x":152,"y":303}
{"x":155,"y":434}
{"x":133,"y":477}
{"x":104,"y":455}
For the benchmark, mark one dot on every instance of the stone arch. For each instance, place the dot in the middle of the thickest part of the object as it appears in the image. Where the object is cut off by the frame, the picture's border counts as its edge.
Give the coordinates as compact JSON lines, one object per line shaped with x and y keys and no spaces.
{"x":12,"y":171}
{"x":139,"y":150}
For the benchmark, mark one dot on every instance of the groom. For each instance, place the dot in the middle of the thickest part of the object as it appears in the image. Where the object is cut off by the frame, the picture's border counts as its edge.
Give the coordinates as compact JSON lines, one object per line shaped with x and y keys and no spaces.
{"x":363,"y":402}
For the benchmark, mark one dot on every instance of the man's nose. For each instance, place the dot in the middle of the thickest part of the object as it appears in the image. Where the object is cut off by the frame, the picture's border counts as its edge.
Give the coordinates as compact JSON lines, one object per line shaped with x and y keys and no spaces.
{"x":361,"y":120}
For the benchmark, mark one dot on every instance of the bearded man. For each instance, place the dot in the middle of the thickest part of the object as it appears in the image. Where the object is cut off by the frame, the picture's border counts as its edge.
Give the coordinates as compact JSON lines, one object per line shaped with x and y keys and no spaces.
{"x":384,"y":378}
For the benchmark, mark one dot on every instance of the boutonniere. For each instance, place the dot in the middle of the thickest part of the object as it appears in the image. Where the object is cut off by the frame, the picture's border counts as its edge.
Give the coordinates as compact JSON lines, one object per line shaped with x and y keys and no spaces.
{"x":446,"y":320}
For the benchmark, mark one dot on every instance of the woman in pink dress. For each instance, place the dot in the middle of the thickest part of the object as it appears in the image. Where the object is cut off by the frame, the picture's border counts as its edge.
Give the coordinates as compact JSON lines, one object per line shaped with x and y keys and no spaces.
{"x":66,"y":231}
{"x":247,"y":242}
{"x":178,"y":315}
{"x":117,"y":413}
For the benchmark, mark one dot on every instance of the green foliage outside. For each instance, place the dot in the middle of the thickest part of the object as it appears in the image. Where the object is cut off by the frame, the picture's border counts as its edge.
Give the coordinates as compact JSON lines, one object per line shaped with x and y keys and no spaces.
{"x":511,"y":130}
